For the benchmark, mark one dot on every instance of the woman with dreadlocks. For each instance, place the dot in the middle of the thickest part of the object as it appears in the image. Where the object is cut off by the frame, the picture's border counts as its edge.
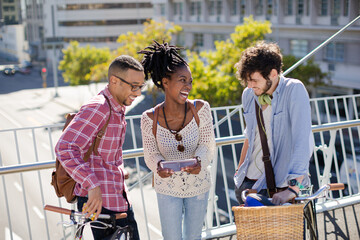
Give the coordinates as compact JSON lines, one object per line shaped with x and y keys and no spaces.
{"x":174,"y":131}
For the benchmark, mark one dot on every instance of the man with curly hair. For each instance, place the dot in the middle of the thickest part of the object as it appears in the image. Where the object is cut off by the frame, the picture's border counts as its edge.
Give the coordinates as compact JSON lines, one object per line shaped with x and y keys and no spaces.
{"x":286,"y":123}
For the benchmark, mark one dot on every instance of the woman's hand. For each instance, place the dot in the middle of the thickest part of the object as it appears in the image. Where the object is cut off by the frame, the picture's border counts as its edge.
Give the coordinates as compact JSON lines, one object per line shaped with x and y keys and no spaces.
{"x":192,"y":169}
{"x":164,"y":172}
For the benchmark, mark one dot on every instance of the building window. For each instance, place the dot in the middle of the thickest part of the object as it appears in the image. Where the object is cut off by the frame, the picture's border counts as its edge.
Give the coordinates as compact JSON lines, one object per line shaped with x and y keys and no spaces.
{"x":219,"y":7}
{"x":178,"y":9}
{"x":300,"y":8}
{"x":233,"y":7}
{"x":195,"y":8}
{"x":103,"y":6}
{"x":289,"y":8}
{"x":307,"y":7}
{"x":198,"y":40}
{"x":212,"y":7}
{"x":346,"y":8}
{"x":335,"y":8}
{"x":242,"y":10}
{"x":162,"y":9}
{"x":334,"y":52}
{"x":299,"y":48}
{"x":323,"y":7}
{"x":180,"y":39}
{"x":259,"y":7}
{"x":269,"y":8}
{"x":101,"y":22}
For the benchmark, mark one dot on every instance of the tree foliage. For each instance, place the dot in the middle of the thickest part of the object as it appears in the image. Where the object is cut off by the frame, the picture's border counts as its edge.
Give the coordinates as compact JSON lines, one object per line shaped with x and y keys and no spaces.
{"x":309,"y":73}
{"x":77,"y":61}
{"x":213,"y":71}
{"x":81,"y":65}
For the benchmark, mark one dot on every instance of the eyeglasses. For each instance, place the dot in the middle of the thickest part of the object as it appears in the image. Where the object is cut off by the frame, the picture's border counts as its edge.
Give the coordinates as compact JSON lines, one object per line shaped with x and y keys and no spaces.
{"x":134,"y":88}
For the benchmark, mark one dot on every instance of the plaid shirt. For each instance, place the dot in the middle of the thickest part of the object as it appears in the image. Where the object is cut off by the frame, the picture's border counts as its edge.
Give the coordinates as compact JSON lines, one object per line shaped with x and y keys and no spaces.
{"x":102,"y":170}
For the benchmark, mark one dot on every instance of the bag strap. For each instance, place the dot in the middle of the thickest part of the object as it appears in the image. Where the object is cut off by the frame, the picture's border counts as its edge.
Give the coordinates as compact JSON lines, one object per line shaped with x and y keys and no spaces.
{"x":194,"y":112}
{"x":269,"y":171}
{"x":94,"y":146}
{"x":155,"y":119}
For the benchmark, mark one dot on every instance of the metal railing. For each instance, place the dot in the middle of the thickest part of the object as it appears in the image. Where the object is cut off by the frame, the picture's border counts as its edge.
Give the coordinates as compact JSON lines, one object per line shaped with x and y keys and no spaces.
{"x":336,"y":133}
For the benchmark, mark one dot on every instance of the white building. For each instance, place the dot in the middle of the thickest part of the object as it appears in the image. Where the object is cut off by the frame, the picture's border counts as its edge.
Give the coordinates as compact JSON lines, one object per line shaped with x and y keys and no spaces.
{"x":12,"y":45}
{"x":93,"y":22}
{"x":298,"y":26}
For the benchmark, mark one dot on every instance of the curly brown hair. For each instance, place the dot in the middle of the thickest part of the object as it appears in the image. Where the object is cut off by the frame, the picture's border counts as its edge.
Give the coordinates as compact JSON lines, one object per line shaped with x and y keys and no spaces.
{"x":262,"y":58}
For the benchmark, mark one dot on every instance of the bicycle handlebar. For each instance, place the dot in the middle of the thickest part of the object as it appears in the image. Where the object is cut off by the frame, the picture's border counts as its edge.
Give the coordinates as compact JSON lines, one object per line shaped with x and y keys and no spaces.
{"x":336,"y":186}
{"x":327,"y":187}
{"x":68,"y":212}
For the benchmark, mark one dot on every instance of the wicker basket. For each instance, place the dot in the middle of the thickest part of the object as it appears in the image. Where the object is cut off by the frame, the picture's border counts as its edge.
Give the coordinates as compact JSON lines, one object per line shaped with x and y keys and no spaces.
{"x":277,"y":222}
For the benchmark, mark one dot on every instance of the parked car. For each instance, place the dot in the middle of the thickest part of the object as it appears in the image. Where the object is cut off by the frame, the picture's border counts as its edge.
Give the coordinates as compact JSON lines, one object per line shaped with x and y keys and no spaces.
{"x":9,"y":71}
{"x":24,"y":70}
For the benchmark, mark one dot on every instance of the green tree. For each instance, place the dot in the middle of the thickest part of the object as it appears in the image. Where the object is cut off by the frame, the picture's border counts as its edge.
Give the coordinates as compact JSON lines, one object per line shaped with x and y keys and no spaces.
{"x":213,"y":71}
{"x":309,"y":73}
{"x":77,"y":62}
{"x":81,"y":65}
{"x":132,"y":42}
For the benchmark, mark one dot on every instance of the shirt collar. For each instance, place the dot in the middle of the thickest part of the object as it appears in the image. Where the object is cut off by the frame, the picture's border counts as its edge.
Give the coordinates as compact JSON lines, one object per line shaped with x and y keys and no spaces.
{"x":114,"y":104}
{"x":280,"y":85}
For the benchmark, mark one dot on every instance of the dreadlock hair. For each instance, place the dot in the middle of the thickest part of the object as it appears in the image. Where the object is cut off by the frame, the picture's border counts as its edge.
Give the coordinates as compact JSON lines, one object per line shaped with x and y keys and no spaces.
{"x":159,"y":60}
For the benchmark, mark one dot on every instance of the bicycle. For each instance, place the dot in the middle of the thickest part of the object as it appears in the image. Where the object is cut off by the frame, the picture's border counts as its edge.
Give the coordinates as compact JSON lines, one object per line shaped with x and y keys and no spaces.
{"x":120,"y":232}
{"x":288,"y":221}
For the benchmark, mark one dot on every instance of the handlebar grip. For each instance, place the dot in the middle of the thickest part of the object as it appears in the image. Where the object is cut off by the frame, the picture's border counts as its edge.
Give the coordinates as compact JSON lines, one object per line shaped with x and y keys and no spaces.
{"x":57,"y":209}
{"x":120,"y":215}
{"x":336,"y":186}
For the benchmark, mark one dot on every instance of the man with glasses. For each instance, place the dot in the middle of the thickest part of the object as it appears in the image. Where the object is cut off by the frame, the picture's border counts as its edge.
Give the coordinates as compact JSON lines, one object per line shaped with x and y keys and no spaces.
{"x":100,"y":186}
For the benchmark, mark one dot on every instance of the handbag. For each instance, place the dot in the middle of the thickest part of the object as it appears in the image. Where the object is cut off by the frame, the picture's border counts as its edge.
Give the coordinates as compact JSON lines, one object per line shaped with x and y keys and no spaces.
{"x":62,"y":182}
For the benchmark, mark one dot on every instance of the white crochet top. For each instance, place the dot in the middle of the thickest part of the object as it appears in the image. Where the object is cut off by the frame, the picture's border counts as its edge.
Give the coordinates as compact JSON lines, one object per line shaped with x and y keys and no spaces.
{"x":197,"y":140}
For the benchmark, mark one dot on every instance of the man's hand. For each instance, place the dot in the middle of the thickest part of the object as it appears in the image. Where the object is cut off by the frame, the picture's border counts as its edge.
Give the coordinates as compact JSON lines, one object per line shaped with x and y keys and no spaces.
{"x":94,"y":203}
{"x":192,"y":169}
{"x":282,"y":197}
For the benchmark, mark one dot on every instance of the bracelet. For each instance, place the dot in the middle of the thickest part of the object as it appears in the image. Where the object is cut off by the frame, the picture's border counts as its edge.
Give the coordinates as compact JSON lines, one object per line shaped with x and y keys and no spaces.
{"x":292,"y":190}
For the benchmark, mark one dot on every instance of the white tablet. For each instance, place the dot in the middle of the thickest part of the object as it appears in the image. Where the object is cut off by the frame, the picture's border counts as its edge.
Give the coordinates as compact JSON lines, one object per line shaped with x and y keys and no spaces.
{"x":176,"y":165}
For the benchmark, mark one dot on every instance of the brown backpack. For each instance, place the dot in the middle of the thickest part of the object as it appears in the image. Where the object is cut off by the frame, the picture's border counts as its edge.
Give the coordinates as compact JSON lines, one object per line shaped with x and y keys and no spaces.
{"x":62,"y":182}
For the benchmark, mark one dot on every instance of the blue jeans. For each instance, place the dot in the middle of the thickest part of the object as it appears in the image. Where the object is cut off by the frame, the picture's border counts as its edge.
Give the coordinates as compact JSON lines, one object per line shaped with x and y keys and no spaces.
{"x":182,"y":218}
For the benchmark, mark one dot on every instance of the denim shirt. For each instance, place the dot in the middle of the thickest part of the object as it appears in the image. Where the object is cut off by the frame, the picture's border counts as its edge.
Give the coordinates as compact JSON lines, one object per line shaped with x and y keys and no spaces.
{"x":292,"y":137}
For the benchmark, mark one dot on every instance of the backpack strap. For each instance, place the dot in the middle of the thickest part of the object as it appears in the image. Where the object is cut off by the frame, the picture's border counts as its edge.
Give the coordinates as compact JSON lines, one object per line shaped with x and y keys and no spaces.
{"x":194,"y":112}
{"x":155,"y":119}
{"x":156,"y":114}
{"x":94,"y":146}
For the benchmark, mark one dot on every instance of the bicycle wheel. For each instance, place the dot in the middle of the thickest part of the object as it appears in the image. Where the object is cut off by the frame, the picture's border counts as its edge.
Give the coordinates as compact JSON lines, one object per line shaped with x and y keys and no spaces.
{"x":310,"y":226}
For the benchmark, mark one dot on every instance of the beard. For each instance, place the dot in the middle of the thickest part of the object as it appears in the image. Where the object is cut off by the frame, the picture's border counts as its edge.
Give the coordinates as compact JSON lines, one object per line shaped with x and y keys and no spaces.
{"x":268,"y":86}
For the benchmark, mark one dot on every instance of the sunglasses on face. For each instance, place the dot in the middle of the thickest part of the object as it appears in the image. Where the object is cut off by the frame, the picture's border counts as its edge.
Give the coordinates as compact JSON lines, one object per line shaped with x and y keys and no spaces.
{"x":134,"y":88}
